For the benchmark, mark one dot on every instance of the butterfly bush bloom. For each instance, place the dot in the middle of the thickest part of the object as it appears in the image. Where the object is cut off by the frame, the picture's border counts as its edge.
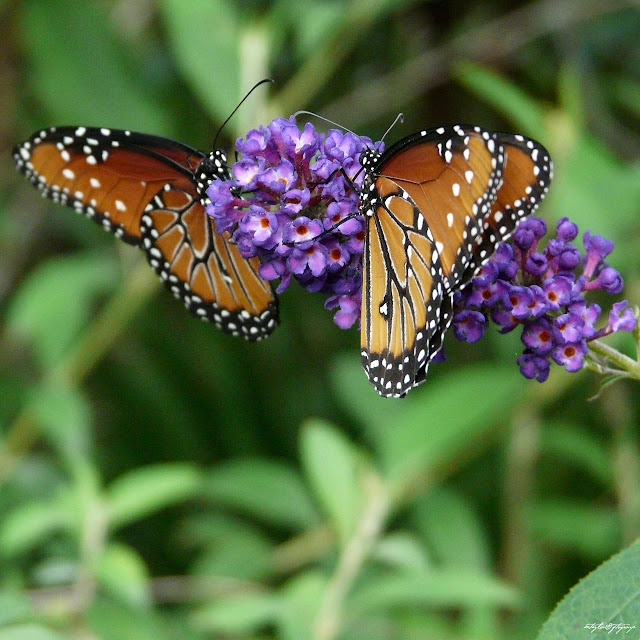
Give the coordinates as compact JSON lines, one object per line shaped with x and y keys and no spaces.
{"x":542,"y":292}
{"x":289,"y":204}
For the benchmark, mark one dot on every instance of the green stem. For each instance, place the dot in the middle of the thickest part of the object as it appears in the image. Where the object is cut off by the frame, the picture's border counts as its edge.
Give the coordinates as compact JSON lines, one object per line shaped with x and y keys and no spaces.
{"x":622,"y":362}
{"x":352,"y":558}
{"x":521,"y":462}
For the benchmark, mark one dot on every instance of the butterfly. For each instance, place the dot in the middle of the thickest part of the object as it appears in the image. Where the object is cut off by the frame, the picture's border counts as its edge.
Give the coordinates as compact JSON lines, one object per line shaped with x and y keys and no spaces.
{"x":151,"y":192}
{"x":437,"y":204}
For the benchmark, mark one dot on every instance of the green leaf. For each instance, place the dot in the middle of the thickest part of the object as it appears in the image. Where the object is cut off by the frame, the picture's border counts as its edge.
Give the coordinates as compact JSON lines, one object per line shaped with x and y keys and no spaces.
{"x":64,"y":416}
{"x":29,"y":632}
{"x":231,"y":548}
{"x":142,"y":492}
{"x":505,"y":97}
{"x":30,"y":524}
{"x":82,"y":72}
{"x":266,"y":489}
{"x":123,"y":573}
{"x":331,"y":466}
{"x":435,"y":425}
{"x":401,"y":549}
{"x":441,"y":588}
{"x":56,"y":300}
{"x":205,"y":36}
{"x":239,"y":614}
{"x":609,"y":595}
{"x":571,"y":444}
{"x":453,"y":530}
{"x":323,"y":15}
{"x":111,"y":619}
{"x":14,"y":607}
{"x":592,"y":531}
{"x":301,"y":597}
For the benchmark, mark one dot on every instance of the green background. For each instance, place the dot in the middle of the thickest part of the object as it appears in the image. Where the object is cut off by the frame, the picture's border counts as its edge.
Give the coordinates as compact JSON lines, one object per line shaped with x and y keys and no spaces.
{"x":159,"y":479}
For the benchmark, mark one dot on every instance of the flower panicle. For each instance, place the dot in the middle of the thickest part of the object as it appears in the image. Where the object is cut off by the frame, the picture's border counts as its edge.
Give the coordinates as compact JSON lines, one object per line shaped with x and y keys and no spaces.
{"x":542,"y":291}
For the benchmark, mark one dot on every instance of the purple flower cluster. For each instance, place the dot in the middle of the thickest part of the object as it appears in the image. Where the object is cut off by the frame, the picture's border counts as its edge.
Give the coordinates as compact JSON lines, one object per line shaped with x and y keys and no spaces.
{"x":543,"y":292}
{"x":289,"y":204}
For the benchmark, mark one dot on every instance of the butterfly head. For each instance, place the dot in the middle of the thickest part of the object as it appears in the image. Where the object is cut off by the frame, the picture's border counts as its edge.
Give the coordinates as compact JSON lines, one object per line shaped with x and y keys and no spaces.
{"x":213,"y":167}
{"x":369,"y":160}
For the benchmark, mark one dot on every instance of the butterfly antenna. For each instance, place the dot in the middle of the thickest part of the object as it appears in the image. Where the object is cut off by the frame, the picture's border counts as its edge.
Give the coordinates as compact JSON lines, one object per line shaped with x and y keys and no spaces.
{"x":399,"y":118}
{"x":315,"y":115}
{"x":255,"y":86}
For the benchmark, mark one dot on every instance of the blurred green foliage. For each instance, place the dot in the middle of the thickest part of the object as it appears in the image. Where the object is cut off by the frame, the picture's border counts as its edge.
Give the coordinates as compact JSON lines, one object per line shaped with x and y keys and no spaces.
{"x":161,"y":480}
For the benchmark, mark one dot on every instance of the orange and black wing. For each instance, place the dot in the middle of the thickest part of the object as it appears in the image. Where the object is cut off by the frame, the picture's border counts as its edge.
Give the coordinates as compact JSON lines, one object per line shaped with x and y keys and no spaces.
{"x":150,"y":192}
{"x":452,"y":174}
{"x":527,"y":174}
{"x":402,"y":292}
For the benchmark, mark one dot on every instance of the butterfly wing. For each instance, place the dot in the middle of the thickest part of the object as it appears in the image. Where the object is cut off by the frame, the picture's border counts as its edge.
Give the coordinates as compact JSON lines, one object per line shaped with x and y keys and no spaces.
{"x":527,"y":174}
{"x":452,"y":174}
{"x":402,"y":292}
{"x":149,"y":191}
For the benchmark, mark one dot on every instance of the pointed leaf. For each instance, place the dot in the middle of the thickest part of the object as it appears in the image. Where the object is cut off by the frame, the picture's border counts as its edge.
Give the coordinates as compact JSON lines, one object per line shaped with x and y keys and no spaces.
{"x":64,"y":415}
{"x":81,"y":71}
{"x":239,"y":615}
{"x":570,"y":444}
{"x":266,"y":489}
{"x":54,"y":303}
{"x":453,"y":530}
{"x":30,"y":524}
{"x":301,"y":597}
{"x":123,"y":573}
{"x":442,"y":588}
{"x":610,"y":596}
{"x":504,"y":96}
{"x":433,"y":427}
{"x":331,"y":467}
{"x":205,"y":36}
{"x":591,"y":530}
{"x":402,"y":550}
{"x":140,"y":493}
{"x":230,"y":547}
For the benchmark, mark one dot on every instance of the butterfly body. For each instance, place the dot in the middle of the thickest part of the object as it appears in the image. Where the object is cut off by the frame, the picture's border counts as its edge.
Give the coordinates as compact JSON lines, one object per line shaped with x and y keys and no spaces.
{"x":151,"y":192}
{"x":437,"y":204}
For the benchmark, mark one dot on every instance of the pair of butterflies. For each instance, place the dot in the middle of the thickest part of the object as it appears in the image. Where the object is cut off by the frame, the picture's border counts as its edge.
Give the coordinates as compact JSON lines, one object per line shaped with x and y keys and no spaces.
{"x":437,"y":204}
